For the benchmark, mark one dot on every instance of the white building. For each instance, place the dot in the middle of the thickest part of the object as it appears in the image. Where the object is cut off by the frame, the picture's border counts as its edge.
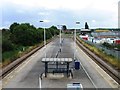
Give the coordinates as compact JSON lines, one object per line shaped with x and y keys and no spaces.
{"x":85,"y":31}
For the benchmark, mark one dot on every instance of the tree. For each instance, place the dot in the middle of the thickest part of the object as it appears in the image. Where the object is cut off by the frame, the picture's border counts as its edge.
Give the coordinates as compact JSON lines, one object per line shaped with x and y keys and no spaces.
{"x":6,"y":42}
{"x":39,"y":34}
{"x":24,"y":34}
{"x":54,"y":27}
{"x":47,"y":33}
{"x":7,"y":45}
{"x":13,"y":26}
{"x":86,"y":25}
{"x":53,"y":30}
{"x":64,"y":27}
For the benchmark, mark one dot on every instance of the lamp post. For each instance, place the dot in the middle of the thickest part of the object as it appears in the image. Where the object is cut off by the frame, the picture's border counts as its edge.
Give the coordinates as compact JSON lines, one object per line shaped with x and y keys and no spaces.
{"x":60,"y":37}
{"x":75,"y":40}
{"x":44,"y":39}
{"x":60,"y":32}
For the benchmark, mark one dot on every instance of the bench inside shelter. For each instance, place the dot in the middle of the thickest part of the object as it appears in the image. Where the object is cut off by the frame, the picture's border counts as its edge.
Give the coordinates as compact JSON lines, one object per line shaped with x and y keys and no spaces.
{"x":57,"y":65}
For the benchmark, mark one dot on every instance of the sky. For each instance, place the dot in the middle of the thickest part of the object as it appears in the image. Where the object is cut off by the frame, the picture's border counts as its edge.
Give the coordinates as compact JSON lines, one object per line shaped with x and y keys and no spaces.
{"x":97,"y":13}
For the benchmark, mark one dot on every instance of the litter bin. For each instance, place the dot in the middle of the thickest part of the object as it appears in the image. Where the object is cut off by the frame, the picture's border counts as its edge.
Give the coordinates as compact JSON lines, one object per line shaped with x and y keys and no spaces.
{"x":77,"y":65}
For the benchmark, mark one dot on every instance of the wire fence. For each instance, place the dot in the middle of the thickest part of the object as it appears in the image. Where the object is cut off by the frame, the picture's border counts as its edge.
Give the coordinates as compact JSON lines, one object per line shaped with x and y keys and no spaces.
{"x":111,"y":52}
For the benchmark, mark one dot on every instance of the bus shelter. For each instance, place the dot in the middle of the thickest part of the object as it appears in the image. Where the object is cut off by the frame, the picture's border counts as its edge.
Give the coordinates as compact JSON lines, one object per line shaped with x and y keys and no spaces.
{"x":57,"y":65}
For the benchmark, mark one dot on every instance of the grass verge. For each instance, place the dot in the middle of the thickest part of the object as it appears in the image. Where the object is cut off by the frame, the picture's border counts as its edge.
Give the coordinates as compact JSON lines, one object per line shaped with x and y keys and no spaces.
{"x":8,"y":57}
{"x":115,"y":62}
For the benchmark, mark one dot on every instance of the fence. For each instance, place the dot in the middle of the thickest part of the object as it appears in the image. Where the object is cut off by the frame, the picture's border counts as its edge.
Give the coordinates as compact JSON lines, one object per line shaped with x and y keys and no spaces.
{"x":111,"y":52}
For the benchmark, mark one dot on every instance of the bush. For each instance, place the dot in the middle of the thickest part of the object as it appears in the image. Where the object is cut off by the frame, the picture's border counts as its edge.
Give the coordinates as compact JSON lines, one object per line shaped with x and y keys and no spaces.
{"x":17,"y":40}
{"x":7,"y":45}
{"x":24,"y":34}
{"x":107,"y":45}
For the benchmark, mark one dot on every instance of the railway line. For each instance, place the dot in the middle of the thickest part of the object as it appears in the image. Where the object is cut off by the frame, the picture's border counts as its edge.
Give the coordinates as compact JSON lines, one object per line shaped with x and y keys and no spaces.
{"x":113,"y":73}
{"x":18,"y":61}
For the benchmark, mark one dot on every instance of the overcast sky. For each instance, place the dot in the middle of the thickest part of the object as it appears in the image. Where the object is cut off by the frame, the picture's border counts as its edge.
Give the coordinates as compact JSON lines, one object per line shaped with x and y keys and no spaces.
{"x":98,"y":13}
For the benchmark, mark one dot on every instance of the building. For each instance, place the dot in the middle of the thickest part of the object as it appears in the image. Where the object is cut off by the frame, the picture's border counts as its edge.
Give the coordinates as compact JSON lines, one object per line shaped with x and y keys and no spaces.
{"x":72,"y":30}
{"x":110,"y":34}
{"x":119,"y":14}
{"x":85,"y":31}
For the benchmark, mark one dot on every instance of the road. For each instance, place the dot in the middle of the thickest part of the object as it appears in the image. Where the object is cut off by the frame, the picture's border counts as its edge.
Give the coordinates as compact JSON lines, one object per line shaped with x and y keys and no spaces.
{"x":27,"y":74}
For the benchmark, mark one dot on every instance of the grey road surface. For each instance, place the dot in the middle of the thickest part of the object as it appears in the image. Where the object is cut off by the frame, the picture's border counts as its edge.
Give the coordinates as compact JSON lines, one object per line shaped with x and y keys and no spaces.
{"x":27,"y":74}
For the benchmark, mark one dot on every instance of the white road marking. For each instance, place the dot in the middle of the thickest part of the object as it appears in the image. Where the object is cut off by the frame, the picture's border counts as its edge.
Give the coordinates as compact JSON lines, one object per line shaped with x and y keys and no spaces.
{"x":24,"y":65}
{"x":40,"y":83}
{"x":106,"y":77}
{"x":13,"y":73}
{"x":88,"y":76}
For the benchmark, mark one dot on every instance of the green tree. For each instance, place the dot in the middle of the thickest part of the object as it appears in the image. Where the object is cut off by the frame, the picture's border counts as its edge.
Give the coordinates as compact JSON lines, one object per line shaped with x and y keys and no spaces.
{"x":54,"y":27}
{"x":24,"y":34}
{"x":6,"y":42}
{"x":39,"y":34}
{"x":13,"y":26}
{"x":86,"y":25}
{"x":64,"y":27}
{"x":53,"y":30}
{"x":48,"y":34}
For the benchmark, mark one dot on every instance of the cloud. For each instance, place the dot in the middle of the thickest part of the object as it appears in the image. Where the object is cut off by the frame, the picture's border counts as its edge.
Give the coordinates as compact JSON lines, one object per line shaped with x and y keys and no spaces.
{"x":93,"y":21}
{"x":20,"y":11}
{"x":66,"y":4}
{"x":49,"y":4}
{"x":46,"y":20}
{"x":98,"y":13}
{"x":43,"y":13}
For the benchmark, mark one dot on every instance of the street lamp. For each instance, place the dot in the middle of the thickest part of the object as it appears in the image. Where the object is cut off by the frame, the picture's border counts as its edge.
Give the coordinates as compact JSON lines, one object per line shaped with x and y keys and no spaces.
{"x":44,"y":39}
{"x":75,"y":40}
{"x":60,"y":32}
{"x":60,"y":36}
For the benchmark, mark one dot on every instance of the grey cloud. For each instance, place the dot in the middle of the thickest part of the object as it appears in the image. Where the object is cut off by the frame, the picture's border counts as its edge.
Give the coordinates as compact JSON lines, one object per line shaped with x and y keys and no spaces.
{"x":61,"y":16}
